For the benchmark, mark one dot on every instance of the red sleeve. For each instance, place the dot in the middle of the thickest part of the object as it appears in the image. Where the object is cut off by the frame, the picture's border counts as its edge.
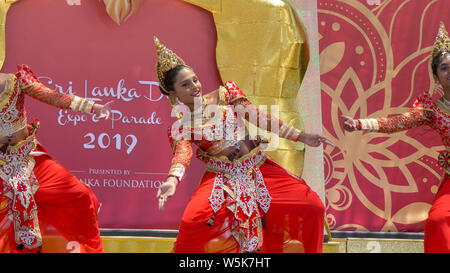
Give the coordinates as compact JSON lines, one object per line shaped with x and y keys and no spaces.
{"x":234,"y":96}
{"x":417,"y":116}
{"x":182,"y":150}
{"x":30,"y":85}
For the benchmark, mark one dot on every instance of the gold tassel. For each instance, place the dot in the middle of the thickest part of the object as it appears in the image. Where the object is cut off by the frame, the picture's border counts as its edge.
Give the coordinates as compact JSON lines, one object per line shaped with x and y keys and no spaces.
{"x":121,"y":10}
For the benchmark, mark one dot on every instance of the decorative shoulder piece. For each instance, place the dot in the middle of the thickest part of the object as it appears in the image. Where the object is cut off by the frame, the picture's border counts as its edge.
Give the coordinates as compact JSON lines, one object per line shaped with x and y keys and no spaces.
{"x":166,"y":61}
{"x":423,"y":101}
{"x":25,"y":76}
{"x":442,"y":43}
{"x":234,"y":93}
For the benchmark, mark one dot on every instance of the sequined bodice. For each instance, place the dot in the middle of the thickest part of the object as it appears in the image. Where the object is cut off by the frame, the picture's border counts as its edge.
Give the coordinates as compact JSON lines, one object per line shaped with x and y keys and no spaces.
{"x":13,"y":114}
{"x":214,"y":134}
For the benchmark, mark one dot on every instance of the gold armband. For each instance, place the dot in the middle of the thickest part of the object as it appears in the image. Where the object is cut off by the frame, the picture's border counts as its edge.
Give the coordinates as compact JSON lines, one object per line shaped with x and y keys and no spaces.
{"x":369,"y":124}
{"x":289,"y":132}
{"x":177,"y":170}
{"x":81,"y":105}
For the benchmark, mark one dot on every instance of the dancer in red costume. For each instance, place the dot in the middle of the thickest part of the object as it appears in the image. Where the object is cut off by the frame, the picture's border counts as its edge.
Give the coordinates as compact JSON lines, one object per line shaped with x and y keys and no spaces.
{"x":36,"y":191}
{"x":435,"y":114}
{"x":245,"y":201}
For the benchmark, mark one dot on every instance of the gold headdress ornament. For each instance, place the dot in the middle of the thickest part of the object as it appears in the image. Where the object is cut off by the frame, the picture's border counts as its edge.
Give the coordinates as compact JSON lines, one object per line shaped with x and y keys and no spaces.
{"x":166,"y":61}
{"x":442,"y":44}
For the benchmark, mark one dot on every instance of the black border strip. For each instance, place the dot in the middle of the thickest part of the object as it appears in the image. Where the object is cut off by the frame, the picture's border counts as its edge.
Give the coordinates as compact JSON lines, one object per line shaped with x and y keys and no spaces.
{"x":169,"y":233}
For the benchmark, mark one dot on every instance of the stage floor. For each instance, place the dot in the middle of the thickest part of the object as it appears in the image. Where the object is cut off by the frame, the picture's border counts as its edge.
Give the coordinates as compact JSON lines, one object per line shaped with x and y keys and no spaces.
{"x":342,"y":242}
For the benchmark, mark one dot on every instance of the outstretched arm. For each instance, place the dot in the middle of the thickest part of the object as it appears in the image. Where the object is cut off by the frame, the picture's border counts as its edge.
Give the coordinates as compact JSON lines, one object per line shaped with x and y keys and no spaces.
{"x":272,"y":124}
{"x":268,"y":122}
{"x":30,"y":85}
{"x":415,"y":117}
{"x":182,"y":157}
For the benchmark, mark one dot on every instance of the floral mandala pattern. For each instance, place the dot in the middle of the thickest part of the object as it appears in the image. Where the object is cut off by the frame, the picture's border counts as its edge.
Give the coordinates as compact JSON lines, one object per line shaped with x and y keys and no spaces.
{"x":375,"y":62}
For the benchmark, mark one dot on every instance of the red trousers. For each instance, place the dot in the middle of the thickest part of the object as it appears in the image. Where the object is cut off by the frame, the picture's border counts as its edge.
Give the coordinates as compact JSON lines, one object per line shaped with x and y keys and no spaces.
{"x":294,"y":222}
{"x":437,"y":227}
{"x":67,"y":212}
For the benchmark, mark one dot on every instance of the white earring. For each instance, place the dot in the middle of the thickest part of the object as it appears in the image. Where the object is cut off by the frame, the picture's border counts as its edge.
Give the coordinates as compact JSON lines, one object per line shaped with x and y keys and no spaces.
{"x":437,"y":89}
{"x":179,"y":102}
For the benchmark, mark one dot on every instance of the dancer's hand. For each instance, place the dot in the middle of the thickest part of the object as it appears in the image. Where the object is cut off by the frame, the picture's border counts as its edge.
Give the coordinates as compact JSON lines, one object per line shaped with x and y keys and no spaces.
{"x":166,"y":190}
{"x":102,"y":111}
{"x":315,"y":140}
{"x":350,"y":124}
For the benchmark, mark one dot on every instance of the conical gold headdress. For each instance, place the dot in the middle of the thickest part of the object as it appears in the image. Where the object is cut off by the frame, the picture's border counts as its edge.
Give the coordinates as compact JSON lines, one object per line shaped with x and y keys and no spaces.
{"x":442,"y":43}
{"x":166,"y":61}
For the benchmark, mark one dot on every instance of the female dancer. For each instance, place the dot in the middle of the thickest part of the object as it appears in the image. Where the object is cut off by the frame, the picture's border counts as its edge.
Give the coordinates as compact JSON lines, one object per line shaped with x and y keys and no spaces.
{"x":245,"y":201}
{"x":36,"y":191}
{"x":435,"y":114}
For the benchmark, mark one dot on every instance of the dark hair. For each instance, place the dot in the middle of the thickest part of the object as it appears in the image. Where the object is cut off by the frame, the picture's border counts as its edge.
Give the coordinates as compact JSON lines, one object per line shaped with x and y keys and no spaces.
{"x":437,"y":60}
{"x":169,"y":80}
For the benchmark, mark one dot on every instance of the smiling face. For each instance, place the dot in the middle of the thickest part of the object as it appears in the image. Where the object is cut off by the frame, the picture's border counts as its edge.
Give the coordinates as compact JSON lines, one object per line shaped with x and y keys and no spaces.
{"x":443,"y":72}
{"x":187,"y":86}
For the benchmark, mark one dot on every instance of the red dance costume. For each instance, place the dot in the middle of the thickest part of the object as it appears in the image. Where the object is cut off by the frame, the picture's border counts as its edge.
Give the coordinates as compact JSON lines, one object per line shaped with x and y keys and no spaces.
{"x":249,"y":204}
{"x":41,"y":203}
{"x":435,"y":114}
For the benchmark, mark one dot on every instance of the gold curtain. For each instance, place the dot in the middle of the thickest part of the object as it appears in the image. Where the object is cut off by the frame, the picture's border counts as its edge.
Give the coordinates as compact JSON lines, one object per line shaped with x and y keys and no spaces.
{"x":4,"y":7}
{"x":262,"y":47}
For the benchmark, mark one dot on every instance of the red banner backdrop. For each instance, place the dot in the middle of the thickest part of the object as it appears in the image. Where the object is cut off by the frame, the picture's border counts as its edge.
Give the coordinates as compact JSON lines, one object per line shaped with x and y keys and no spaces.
{"x":375,"y":60}
{"x":78,"y":49}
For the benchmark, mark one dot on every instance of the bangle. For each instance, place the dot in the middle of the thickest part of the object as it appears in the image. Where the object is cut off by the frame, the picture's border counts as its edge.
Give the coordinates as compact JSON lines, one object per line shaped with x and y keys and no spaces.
{"x":360,"y":124}
{"x":298,"y":138}
{"x":177,"y":170}
{"x":82,"y":105}
{"x":295,"y":135}
{"x":290,"y":132}
{"x":178,"y":180}
{"x":370,"y":125}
